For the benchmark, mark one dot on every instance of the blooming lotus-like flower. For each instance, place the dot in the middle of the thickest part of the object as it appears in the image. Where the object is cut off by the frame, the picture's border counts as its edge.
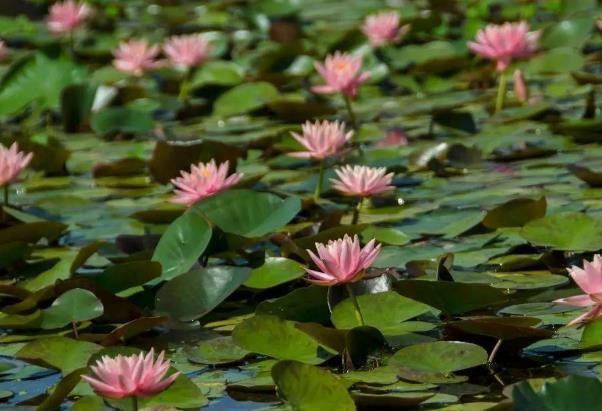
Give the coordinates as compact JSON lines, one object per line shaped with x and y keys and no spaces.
{"x":131,"y":376}
{"x":521,"y":90}
{"x":342,"y":261}
{"x":135,"y":57}
{"x":362,"y":181}
{"x":383,"y":28}
{"x":204,"y":180}
{"x":589,"y":279}
{"x":322,"y":140}
{"x":12,"y":162}
{"x":505,"y":43}
{"x":187,"y":51}
{"x":342,"y":74}
{"x":64,"y":17}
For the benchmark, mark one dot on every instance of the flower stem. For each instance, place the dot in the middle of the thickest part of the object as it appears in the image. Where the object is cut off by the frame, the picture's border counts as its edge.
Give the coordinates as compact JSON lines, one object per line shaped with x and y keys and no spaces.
{"x":496,"y":348}
{"x":185,"y":88}
{"x":501,"y":93}
{"x":357,"y":210}
{"x":72,"y":44}
{"x":75,"y":333}
{"x":134,"y":403}
{"x":6,"y":194}
{"x":320,"y":182}
{"x":358,"y":312}
{"x":352,"y":117}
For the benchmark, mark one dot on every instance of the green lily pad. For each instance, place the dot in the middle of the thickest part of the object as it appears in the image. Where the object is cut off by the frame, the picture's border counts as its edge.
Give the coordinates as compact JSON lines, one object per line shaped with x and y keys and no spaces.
{"x":566,"y":231}
{"x":306,"y":387}
{"x":270,"y":335}
{"x":399,"y":309}
{"x":182,"y":244}
{"x":273,"y":272}
{"x":194,"y":294}
{"x":220,"y":350}
{"x":248,"y":213}
{"x":73,"y":306}
{"x":440,"y":356}
{"x":244,"y":98}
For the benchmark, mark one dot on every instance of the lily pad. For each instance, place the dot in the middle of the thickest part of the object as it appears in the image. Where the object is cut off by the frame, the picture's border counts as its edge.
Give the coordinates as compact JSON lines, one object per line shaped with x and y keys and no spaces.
{"x":306,"y":387}
{"x":440,"y":356}
{"x":566,"y":231}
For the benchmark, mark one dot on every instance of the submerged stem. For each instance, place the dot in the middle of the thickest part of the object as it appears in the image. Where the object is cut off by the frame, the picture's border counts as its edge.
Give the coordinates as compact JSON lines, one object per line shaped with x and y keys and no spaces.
{"x":501,"y":93}
{"x":352,"y":118}
{"x":357,"y":210}
{"x":496,"y":348}
{"x":134,"y":403}
{"x":184,"y":88}
{"x":318,"y":191}
{"x":358,"y":312}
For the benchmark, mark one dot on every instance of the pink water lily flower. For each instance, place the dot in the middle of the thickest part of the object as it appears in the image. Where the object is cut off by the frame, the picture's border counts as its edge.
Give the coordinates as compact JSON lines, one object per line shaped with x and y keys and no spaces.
{"x":362,"y":181}
{"x":130,"y":376}
{"x":383,"y":28}
{"x":342,"y":261}
{"x":136,"y":57}
{"x":12,"y":162}
{"x":66,"y":16}
{"x":322,"y":140}
{"x":187,"y":51}
{"x":589,"y":279}
{"x":393,"y":137}
{"x":505,"y":43}
{"x":204,"y":180}
{"x":342,"y":73}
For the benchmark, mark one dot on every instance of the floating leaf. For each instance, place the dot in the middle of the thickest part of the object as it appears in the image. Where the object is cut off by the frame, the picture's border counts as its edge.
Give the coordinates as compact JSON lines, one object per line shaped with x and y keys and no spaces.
{"x":61,"y":353}
{"x":73,"y":306}
{"x":451,"y":297}
{"x":440,"y":356}
{"x":274,"y":271}
{"x":182,"y":244}
{"x":306,"y":387}
{"x":244,"y":98}
{"x":194,"y":294}
{"x":399,"y":309}
{"x":219,"y":350}
{"x":515,"y":213}
{"x":565,"y":231}
{"x":270,"y":335}
{"x":248,"y":213}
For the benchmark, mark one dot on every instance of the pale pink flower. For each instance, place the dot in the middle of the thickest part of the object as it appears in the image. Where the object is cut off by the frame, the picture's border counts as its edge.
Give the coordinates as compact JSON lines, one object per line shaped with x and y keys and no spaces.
{"x":362,"y":181}
{"x":589,"y":279}
{"x":204,"y":180}
{"x":505,"y":43}
{"x":342,"y":261}
{"x":383,"y":28}
{"x":66,"y":16}
{"x":521,"y":90}
{"x":322,"y":140}
{"x":187,"y":51}
{"x":130,"y":376}
{"x":135,"y":57}
{"x":12,"y":162}
{"x":393,"y":137}
{"x":342,"y":73}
